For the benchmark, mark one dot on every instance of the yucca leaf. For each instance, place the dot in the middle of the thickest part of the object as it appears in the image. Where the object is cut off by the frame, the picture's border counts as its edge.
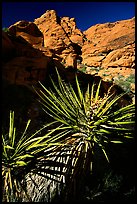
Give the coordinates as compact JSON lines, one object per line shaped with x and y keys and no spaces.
{"x":52,"y":139}
{"x":130,"y":137}
{"x":116,"y":141}
{"x":65,"y":100}
{"x":22,"y":144}
{"x":97,"y":92}
{"x":126,"y":116}
{"x":52,"y":102}
{"x":26,"y":128}
{"x":8,"y":147}
{"x":23,"y":157}
{"x":126,"y":108}
{"x":79,"y":90}
{"x":117,"y":128}
{"x":11,"y":125}
{"x":87,"y":94}
{"x":92,"y":93}
{"x":14,"y":136}
{"x":10,"y":179}
{"x":110,"y":104}
{"x":74,"y":97}
{"x":21,"y":163}
{"x":103,"y":149}
{"x":104,"y":131}
{"x":64,"y":112}
{"x":121,"y":123}
{"x":103,"y":104}
{"x":54,"y":114}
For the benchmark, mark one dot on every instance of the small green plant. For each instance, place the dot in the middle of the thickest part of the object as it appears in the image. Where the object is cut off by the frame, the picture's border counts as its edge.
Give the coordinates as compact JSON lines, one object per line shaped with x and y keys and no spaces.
{"x":104,"y":74}
{"x":5,"y":29}
{"x":97,"y":69}
{"x":125,"y":82}
{"x":100,"y":68}
{"x":83,"y":69}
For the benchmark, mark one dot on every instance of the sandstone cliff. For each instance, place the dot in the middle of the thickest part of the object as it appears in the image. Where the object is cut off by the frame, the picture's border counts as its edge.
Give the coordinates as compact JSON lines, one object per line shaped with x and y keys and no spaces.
{"x":108,"y":46}
{"x":111,"y":46}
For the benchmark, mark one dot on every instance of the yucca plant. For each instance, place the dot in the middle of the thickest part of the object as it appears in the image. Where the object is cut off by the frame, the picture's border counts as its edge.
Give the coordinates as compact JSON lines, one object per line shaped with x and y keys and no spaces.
{"x":87,"y":120}
{"x":21,"y":153}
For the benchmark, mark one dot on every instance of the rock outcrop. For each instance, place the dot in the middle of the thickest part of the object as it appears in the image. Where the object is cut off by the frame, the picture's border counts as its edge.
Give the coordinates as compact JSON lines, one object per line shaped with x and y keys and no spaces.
{"x":109,"y":43}
{"x":29,"y":31}
{"x":111,"y":46}
{"x":61,"y":36}
{"x":26,"y":64}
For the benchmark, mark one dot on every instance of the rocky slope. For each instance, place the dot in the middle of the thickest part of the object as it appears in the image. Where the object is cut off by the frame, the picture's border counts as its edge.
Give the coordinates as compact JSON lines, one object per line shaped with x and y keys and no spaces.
{"x":111,"y":46}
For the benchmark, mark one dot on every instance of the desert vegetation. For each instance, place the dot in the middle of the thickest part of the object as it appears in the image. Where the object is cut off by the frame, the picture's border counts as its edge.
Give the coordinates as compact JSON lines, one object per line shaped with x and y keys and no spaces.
{"x":5,"y":29}
{"x":125,"y":82}
{"x":79,"y":153}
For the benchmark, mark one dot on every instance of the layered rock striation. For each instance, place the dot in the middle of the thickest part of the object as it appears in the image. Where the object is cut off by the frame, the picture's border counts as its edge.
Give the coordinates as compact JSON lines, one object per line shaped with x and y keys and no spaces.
{"x":110,"y":44}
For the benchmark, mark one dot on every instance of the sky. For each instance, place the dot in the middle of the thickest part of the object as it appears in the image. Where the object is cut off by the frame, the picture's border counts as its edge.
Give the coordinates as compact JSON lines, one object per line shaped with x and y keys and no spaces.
{"x":86,"y":14}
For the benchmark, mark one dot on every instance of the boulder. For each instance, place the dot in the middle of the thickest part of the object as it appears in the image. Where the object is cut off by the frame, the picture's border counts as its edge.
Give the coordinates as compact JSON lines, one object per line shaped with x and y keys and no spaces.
{"x":27,"y":66}
{"x":25,"y":71}
{"x":27,"y":30}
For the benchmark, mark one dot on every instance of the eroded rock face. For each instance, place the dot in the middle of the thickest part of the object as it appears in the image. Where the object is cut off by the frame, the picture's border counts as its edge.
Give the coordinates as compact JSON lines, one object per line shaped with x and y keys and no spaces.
{"x":27,"y":30}
{"x":60,"y":35}
{"x":110,"y":45}
{"x":26,"y":66}
{"x":69,"y":25}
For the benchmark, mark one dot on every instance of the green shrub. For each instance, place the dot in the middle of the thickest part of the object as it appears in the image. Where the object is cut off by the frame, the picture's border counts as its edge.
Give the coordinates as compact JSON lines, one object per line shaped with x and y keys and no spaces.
{"x":5,"y":29}
{"x":83,"y":69}
{"x":125,"y":83}
{"x":104,"y":74}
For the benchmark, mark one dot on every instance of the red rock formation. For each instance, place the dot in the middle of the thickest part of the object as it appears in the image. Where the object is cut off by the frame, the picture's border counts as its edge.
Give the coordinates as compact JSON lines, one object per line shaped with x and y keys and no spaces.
{"x":69,"y":25}
{"x":110,"y":45}
{"x":26,"y":65}
{"x":60,"y":35}
{"x":29,"y":31}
